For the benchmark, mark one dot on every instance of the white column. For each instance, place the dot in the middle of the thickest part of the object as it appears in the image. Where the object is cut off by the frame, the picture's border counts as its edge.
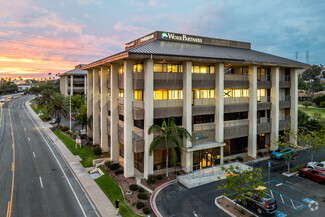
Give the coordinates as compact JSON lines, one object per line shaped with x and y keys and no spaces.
{"x":85,"y":85}
{"x":275,"y":76}
{"x":148,"y":115}
{"x":71,"y":85}
{"x":66,"y":85}
{"x":252,"y":112}
{"x":62,"y":84}
{"x":294,"y":101}
{"x":128,"y":120}
{"x":96,"y":111}
{"x":90,"y":100}
{"x":187,"y":157}
{"x":114,"y":113}
{"x":219,"y":106}
{"x":104,"y":107}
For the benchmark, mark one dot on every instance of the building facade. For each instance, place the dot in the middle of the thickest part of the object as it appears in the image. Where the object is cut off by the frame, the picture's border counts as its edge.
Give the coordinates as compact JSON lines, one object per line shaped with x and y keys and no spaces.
{"x":233,"y":100}
{"x":74,"y":81}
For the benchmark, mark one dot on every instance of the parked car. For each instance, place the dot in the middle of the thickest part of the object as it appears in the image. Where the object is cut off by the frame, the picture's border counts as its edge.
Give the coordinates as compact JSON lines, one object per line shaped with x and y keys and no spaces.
{"x":53,"y":121}
{"x":9,"y":97}
{"x":2,"y":100}
{"x":316,"y":165}
{"x":317,"y":175}
{"x":265,"y":205}
{"x":281,"y":153}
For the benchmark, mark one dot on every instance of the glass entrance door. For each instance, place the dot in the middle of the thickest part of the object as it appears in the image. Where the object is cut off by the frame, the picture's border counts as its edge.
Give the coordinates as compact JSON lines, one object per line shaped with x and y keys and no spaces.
{"x":206,"y":160}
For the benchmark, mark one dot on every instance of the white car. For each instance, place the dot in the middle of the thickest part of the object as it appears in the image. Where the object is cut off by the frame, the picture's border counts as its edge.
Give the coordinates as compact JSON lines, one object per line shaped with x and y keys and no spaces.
{"x":316,"y":165}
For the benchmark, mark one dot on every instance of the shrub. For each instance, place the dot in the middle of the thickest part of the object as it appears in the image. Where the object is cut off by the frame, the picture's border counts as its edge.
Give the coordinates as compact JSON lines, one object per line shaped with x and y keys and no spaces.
{"x":143,"y":196}
{"x":295,"y":169}
{"x":159,"y":177}
{"x":117,"y":172}
{"x":65,"y":128}
{"x":83,"y":136}
{"x":74,"y":135}
{"x":146,"y":210}
{"x":140,"y":205}
{"x":115,"y":166}
{"x":151,"y":179}
{"x":141,"y":190}
{"x":240,"y":159}
{"x":322,"y":104}
{"x":109,"y":163}
{"x":97,"y":150}
{"x":133,"y":187}
{"x":306,"y":104}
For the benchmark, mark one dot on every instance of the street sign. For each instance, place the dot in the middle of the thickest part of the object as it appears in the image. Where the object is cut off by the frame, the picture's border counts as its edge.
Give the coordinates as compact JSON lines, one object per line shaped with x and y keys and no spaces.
{"x":269,"y":163}
{"x":78,"y":142}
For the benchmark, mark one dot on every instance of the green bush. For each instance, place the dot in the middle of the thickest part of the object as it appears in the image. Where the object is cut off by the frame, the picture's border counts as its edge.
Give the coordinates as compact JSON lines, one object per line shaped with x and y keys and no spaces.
{"x":322,"y":104}
{"x":151,"y":179}
{"x":295,"y":169}
{"x":115,"y":166}
{"x":65,"y":128}
{"x":140,"y":205}
{"x":141,"y":190}
{"x":146,"y":210}
{"x":118,"y":172}
{"x":318,"y":98}
{"x":306,"y":104}
{"x":109,"y":163}
{"x":240,"y":159}
{"x":133,"y":187}
{"x":97,"y":150}
{"x":159,"y":177}
{"x":143,"y":196}
{"x":74,"y":135}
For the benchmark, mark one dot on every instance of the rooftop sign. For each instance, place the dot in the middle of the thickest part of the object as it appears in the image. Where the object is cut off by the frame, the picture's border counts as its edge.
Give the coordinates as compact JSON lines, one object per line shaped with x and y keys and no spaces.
{"x":180,"y":37}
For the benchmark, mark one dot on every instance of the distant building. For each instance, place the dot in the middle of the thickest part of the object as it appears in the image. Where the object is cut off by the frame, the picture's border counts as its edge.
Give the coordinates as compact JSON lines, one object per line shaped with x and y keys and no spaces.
{"x":23,"y":87}
{"x":322,"y":81}
{"x":303,"y":95}
{"x":74,"y":81}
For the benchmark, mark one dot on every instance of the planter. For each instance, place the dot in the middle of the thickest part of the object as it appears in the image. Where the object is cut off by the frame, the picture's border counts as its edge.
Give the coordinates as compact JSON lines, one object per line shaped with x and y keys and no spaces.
{"x":290,"y":174}
{"x":228,"y":206}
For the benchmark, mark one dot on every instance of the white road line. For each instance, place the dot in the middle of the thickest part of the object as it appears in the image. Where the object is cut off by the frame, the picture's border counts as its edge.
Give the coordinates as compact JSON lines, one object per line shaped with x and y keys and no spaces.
{"x":289,"y":182}
{"x":34,"y":154}
{"x":22,"y":121}
{"x":28,"y":138}
{"x":281,"y":198}
{"x":40,"y":180}
{"x":25,"y":128}
{"x":271,"y":193}
{"x":278,"y":184}
{"x":74,"y":193}
{"x":293,"y":204}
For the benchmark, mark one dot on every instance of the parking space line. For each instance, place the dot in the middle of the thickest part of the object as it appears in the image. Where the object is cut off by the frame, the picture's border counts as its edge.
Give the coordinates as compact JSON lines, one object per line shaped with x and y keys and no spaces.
{"x":271,"y":193}
{"x":277,"y":185}
{"x":300,"y":205}
{"x":292,"y":204}
{"x":281,"y":198}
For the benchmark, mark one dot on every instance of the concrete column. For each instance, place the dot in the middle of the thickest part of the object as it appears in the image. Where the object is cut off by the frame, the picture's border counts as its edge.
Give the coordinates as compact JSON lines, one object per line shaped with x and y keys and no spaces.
{"x":85,"y":86}
{"x":128,"y":120}
{"x":71,"y":85}
{"x":104,"y":108}
{"x":96,"y":111}
{"x":90,"y":99}
{"x":148,"y":115}
{"x":114,"y":113}
{"x":294,"y":101}
{"x":62,"y":84}
{"x":275,"y":97}
{"x":221,"y":155}
{"x":252,"y":112}
{"x":66,"y":85}
{"x":219,"y":102}
{"x":187,"y":157}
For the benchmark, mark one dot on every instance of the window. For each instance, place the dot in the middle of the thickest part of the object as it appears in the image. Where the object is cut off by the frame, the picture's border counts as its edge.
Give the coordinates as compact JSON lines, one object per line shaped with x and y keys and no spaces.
{"x":164,"y":67}
{"x":235,"y":93}
{"x":137,"y":67}
{"x":168,"y":94}
{"x":121,"y":93}
{"x":203,"y":69}
{"x":203,"y":94}
{"x":109,"y":92}
{"x":158,"y":67}
{"x":236,"y":70}
{"x":121,"y":70}
{"x":138,"y":95}
{"x":260,"y":94}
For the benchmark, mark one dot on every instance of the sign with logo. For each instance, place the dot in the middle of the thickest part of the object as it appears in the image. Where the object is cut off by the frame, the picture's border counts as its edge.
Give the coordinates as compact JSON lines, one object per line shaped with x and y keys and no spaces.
{"x":179,"y":37}
{"x":147,"y":38}
{"x":128,"y":45}
{"x":78,"y":140}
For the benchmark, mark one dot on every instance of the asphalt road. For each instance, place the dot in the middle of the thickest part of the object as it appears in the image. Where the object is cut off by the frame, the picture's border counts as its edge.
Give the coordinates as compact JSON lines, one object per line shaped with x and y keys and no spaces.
{"x":34,"y":179}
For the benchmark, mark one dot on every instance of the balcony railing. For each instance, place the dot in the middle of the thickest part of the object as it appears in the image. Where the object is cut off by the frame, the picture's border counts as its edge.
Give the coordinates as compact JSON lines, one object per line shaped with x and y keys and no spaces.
{"x":264,"y":99}
{"x":285,"y":98}
{"x":204,"y":102}
{"x":203,"y":133}
{"x":203,"y":80}
{"x":236,"y":77}
{"x":284,"y":122}
{"x":121,"y":101}
{"x":264,"y":120}
{"x":201,"y":127}
{"x":236,"y":100}
{"x":285,"y":102}
{"x":138,"y":80}
{"x":168,"y":103}
{"x":264,"y":125}
{"x":138,"y":104}
{"x":236,"y":128}
{"x":236,"y":123}
{"x":285,"y":81}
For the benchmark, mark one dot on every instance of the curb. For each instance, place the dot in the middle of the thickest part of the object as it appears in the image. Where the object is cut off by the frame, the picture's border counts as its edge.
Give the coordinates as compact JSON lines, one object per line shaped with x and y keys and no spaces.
{"x":226,"y":211}
{"x":154,"y":195}
{"x":290,"y":174}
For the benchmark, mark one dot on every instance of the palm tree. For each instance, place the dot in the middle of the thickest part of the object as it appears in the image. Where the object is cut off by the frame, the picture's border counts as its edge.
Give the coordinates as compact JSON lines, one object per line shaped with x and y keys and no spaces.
{"x":45,"y":99}
{"x":59,"y":107}
{"x":169,"y":133}
{"x":82,"y":119}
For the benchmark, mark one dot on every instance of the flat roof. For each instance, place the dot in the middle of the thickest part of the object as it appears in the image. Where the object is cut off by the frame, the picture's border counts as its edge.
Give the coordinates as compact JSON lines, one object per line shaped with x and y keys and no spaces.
{"x":165,"y":45}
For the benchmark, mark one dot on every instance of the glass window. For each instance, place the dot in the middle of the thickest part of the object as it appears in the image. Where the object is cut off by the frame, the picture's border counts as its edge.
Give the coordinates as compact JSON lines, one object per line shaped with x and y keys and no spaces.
{"x":204,"y":69}
{"x":227,"y":93}
{"x":121,"y":69}
{"x":174,"y":68}
{"x":138,"y":95}
{"x":121,"y":93}
{"x":211,"y":69}
{"x":109,"y":92}
{"x":235,"y":93}
{"x":137,"y":67}
{"x":157,"y":67}
{"x":160,"y":95}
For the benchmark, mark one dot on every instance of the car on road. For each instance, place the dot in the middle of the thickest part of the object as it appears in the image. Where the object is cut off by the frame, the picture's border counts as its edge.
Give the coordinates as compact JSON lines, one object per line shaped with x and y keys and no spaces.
{"x":2,"y":100}
{"x":316,"y":165}
{"x":265,"y":205}
{"x":9,"y":97}
{"x":317,"y":175}
{"x":281,"y":152}
{"x":53,"y":121}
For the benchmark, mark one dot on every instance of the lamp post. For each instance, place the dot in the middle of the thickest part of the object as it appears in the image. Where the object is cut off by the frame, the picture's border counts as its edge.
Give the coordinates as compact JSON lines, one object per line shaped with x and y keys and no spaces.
{"x":70,"y":113}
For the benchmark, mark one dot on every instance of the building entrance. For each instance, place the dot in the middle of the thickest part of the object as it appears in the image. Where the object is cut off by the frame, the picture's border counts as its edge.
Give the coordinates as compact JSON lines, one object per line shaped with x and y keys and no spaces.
{"x":207,"y":160}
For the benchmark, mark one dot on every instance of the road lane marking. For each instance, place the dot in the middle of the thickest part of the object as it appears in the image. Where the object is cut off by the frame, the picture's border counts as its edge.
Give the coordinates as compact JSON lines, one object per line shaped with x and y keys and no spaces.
{"x":281,"y":198}
{"x":1,"y":115}
{"x":25,"y":128}
{"x":40,"y":179}
{"x":28,"y":138}
{"x":292,"y":204}
{"x":74,"y":193}
{"x":271,"y":193}
{"x":34,"y":154}
{"x":22,"y":121}
{"x":279,"y":184}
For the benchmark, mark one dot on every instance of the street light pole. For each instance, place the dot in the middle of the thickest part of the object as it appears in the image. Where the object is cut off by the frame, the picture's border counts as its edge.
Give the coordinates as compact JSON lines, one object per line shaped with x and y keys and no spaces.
{"x":70,"y":113}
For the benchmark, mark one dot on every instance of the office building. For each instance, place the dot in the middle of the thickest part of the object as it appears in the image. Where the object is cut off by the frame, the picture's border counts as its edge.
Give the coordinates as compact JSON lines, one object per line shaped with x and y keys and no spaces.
{"x":74,"y":81}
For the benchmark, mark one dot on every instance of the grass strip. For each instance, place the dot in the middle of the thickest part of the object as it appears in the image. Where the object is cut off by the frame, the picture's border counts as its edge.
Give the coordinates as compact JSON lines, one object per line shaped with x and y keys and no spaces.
{"x":84,"y":153}
{"x":312,"y":111}
{"x":113,"y":192}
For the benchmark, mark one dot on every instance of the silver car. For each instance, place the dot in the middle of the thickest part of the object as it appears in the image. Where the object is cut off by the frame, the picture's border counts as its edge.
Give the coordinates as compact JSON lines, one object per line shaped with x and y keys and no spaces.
{"x":316,"y":165}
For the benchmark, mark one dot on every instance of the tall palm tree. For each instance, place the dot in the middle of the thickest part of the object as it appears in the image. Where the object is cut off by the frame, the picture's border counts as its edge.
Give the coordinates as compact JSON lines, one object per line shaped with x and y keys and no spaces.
{"x":169,"y":133}
{"x":82,"y":119}
{"x":45,"y":99}
{"x":59,"y":107}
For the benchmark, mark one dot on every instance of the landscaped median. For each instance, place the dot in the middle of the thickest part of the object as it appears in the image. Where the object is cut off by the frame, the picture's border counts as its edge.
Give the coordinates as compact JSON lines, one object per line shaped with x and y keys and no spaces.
{"x":39,"y":110}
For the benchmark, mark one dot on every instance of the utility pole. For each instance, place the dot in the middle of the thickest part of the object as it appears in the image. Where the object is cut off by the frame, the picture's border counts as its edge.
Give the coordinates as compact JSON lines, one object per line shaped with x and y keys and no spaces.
{"x":307,"y":57}
{"x":70,"y":113}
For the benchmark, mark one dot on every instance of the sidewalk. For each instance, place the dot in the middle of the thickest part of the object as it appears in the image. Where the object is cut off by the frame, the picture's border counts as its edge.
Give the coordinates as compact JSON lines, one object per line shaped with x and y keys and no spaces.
{"x":98,"y":198}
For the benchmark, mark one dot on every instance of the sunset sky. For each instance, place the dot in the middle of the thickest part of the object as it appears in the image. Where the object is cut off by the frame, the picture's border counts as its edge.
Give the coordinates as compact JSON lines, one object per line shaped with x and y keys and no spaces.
{"x":44,"y":36}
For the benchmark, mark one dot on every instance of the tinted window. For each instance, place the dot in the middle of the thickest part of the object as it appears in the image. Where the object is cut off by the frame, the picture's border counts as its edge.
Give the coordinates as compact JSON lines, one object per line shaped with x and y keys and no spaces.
{"x":271,"y":201}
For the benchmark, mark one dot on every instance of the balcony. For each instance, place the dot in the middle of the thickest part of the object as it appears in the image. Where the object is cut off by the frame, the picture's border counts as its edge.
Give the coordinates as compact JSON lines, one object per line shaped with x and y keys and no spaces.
{"x":264,"y":81}
{"x":138,"y":80}
{"x":79,"y":81}
{"x":168,"y":108}
{"x":236,"y":128}
{"x":203,"y":106}
{"x":285,"y":102}
{"x":264,"y":125}
{"x":236,"y":104}
{"x":284,"y":122}
{"x":138,"y":110}
{"x":285,"y":81}
{"x":264,"y":103}
{"x":120,"y":132}
{"x":168,"y":80}
{"x":137,"y":140}
{"x":121,"y":81}
{"x":236,"y":81}
{"x":203,"y":133}
{"x":202,"y":80}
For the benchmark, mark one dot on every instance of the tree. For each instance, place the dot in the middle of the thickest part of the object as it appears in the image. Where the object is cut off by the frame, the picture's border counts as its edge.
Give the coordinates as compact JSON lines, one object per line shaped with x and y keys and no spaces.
{"x":45,"y":99}
{"x":306,"y":104}
{"x":169,"y":133}
{"x":82,"y":119}
{"x":314,"y":141}
{"x":77,"y":101}
{"x":240,"y":183}
{"x":302,"y":84}
{"x":311,"y":72}
{"x":318,"y":98}
{"x":303,"y":118}
{"x":59,"y":107}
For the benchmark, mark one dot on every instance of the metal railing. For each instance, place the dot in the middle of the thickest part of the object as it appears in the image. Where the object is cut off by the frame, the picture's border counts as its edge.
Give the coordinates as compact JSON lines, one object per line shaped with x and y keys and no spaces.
{"x":285,"y":118}
{"x":205,"y":126}
{"x":138,"y":104}
{"x":263,"y":78}
{"x":264,"y":99}
{"x":169,"y":76}
{"x":285,"y":78}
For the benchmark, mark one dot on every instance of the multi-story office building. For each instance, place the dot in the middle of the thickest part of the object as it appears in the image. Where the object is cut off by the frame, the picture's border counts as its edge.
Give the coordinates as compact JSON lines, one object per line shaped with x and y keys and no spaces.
{"x":74,"y":81}
{"x":233,"y":100}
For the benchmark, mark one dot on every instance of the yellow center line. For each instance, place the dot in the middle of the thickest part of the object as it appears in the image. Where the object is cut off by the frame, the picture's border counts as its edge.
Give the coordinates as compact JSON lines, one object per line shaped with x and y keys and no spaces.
{"x":13,"y":166}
